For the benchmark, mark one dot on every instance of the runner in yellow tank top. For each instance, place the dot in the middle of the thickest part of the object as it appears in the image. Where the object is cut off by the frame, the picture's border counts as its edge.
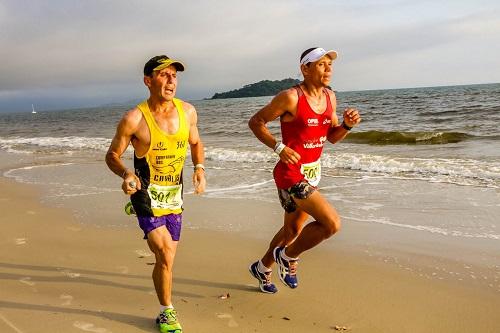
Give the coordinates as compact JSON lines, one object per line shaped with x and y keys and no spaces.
{"x":164,"y":162}
{"x":160,"y":129}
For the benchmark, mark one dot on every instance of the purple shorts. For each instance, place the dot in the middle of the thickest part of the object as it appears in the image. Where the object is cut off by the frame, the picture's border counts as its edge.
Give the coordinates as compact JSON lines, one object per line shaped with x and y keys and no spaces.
{"x":173,"y":223}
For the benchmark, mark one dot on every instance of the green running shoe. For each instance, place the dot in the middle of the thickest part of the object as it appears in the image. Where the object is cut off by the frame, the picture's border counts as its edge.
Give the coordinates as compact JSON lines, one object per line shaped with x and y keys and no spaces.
{"x":129,"y":209}
{"x":167,"y":322}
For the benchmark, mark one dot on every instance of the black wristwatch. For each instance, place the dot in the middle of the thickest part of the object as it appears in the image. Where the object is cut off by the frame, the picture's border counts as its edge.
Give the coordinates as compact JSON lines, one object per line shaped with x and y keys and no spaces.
{"x":347,"y":128}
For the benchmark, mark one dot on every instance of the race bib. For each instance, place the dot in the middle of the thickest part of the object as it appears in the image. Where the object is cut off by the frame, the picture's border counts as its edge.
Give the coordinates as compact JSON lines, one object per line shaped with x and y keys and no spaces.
{"x":312,"y":172}
{"x":165,"y":197}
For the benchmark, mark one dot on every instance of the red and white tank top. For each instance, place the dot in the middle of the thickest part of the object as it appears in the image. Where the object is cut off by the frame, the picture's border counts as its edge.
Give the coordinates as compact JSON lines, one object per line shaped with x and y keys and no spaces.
{"x":306,"y":134}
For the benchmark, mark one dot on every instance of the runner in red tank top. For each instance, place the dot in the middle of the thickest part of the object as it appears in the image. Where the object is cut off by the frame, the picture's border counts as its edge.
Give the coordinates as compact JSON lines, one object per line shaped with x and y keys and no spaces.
{"x":306,"y":135}
{"x":308,"y":119}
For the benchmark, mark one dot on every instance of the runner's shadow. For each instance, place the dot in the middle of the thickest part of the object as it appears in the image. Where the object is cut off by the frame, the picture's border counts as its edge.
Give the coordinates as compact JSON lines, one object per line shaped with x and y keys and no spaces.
{"x":143,"y":323}
{"x":84,"y":279}
{"x":87,"y":280}
{"x":79,"y":270}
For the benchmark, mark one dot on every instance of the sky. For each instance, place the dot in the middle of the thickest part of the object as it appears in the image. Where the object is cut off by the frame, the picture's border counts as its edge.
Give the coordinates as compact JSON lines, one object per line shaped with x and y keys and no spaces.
{"x":76,"y":53}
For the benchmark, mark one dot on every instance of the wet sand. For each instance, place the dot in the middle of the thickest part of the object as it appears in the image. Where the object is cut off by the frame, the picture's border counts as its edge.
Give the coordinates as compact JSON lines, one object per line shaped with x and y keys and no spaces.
{"x":58,"y":275}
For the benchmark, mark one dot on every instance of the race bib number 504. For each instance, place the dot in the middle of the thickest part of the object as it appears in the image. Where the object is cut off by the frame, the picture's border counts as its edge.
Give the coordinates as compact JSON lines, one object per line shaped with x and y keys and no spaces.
{"x":312,"y":172}
{"x":165,"y":197}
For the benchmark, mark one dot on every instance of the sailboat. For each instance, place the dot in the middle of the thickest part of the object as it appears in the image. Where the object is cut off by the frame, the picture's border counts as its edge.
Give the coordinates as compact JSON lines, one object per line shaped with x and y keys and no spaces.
{"x":33,"y":109}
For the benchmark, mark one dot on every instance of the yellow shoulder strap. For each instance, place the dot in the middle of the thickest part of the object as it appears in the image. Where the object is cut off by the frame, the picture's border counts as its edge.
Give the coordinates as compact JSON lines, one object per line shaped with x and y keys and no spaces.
{"x":144,"y":107}
{"x":182,"y":115}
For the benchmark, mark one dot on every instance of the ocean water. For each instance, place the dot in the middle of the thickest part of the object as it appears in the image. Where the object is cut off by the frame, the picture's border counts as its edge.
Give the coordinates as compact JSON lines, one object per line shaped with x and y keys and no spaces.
{"x":421,"y":173}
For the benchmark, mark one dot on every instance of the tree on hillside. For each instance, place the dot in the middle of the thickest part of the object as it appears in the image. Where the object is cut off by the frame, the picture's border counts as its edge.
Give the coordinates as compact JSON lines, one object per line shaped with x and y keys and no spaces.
{"x":261,"y":88}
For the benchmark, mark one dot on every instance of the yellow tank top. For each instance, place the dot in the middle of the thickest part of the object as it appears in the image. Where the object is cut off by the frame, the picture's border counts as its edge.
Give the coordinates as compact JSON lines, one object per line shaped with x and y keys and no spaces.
{"x":165,"y":159}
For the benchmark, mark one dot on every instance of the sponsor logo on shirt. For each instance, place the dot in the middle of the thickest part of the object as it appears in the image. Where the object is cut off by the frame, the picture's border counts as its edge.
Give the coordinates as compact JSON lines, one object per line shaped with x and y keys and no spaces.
{"x":181,"y":144}
{"x":160,"y":146}
{"x":161,"y":158}
{"x":316,"y":143}
{"x":167,"y":178}
{"x":327,"y":121}
{"x":171,"y":167}
{"x":312,"y":122}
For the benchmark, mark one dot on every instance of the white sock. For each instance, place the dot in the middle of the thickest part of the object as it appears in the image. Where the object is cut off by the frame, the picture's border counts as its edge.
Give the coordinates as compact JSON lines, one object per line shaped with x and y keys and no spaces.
{"x":287,"y":258}
{"x":263,"y":269}
{"x":164,"y":307}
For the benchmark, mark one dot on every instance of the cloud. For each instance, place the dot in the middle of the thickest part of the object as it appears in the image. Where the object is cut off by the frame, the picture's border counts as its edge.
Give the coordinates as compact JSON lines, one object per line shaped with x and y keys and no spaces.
{"x":100,"y":46}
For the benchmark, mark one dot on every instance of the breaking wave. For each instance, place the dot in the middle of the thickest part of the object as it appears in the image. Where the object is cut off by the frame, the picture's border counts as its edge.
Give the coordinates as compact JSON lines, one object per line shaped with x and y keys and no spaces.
{"x":408,"y":138}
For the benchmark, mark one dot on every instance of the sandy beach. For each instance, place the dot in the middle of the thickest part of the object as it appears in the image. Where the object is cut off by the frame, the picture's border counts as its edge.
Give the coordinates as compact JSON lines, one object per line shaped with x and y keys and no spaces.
{"x":58,"y":275}
{"x":414,"y":174}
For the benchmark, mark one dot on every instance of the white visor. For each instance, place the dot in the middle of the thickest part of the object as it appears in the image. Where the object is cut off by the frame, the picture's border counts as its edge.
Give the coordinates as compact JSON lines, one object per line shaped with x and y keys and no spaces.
{"x":316,"y":54}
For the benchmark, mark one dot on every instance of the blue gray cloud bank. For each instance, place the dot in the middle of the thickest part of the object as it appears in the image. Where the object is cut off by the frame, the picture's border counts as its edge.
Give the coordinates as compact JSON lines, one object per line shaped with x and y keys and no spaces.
{"x":62,"y":54}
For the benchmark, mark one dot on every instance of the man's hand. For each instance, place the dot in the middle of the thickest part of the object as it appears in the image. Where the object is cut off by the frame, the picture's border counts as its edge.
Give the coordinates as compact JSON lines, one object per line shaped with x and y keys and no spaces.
{"x":351,"y":117}
{"x":131,"y":183}
{"x":289,"y":156}
{"x":199,"y":181}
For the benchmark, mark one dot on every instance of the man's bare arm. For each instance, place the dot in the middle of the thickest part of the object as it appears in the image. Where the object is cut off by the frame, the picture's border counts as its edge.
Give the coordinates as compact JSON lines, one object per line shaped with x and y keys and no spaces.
{"x":285,"y":101}
{"x":278,"y":106}
{"x":123,"y":136}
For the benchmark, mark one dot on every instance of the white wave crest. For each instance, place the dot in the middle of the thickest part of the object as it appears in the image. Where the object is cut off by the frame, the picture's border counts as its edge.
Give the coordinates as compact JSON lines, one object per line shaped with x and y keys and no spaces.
{"x":460,"y":171}
{"x":434,"y":230}
{"x":456,"y":171}
{"x":13,"y":173}
{"x":70,"y":143}
{"x":241,"y":156}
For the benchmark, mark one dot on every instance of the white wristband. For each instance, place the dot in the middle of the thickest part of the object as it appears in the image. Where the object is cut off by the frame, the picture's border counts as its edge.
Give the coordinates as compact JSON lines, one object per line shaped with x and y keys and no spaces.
{"x":278,"y":148}
{"x":199,"y":166}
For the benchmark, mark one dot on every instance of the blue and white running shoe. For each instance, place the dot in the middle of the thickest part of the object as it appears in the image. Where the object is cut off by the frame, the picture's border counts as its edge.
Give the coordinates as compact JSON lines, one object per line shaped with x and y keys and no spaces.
{"x":287,"y":269}
{"x":265,"y":284}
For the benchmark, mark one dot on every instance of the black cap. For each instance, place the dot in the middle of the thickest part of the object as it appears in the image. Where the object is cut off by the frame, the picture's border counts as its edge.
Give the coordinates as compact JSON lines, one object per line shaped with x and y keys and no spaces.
{"x":160,"y":62}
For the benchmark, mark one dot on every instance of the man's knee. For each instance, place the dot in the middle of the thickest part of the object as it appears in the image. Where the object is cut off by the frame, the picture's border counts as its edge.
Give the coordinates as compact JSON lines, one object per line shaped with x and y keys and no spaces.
{"x":332,"y":226}
{"x":164,"y":257}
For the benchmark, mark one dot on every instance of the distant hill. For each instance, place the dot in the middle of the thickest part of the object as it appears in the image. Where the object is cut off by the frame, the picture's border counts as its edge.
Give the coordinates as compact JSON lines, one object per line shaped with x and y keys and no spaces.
{"x":261,"y":88}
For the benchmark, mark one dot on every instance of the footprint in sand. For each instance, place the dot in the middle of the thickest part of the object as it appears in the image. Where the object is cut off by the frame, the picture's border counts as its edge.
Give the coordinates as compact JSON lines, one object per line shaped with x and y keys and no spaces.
{"x":231,"y":322}
{"x":20,"y":241}
{"x":27,"y":280}
{"x":66,"y":298}
{"x":142,"y":253}
{"x":122,"y":269}
{"x":89,"y":327}
{"x":30,"y":212}
{"x":75,"y":229}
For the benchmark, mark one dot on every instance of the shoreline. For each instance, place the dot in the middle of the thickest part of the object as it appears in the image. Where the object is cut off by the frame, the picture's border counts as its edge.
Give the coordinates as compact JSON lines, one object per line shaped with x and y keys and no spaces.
{"x":76,"y":277}
{"x":414,"y":247}
{"x":406,"y":229}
